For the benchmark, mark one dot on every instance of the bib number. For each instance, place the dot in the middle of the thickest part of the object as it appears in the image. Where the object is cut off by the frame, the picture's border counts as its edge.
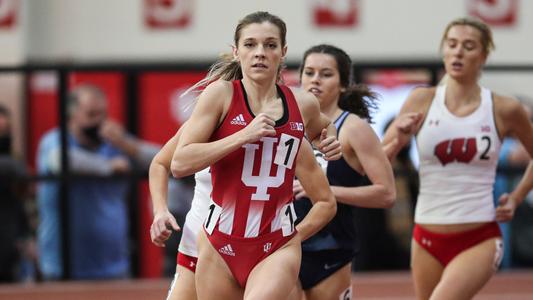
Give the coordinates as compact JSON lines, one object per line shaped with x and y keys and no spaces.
{"x":288,"y":218}
{"x":484,"y":144}
{"x":212,"y":217}
{"x":286,"y":151}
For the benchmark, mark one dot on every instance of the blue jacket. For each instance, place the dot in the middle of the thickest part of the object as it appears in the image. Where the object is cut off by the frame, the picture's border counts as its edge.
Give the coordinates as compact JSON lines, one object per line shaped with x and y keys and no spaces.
{"x":98,"y":215}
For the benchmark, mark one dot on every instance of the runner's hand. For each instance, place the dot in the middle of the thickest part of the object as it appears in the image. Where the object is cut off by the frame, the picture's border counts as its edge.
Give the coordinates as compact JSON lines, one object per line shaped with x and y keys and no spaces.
{"x":161,"y":228}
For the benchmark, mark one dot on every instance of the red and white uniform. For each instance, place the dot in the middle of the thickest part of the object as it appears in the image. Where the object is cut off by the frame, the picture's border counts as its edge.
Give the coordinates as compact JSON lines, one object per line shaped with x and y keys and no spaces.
{"x":253,"y":183}
{"x":251,"y":214}
{"x":458,"y":158}
{"x":197,"y":213}
{"x":188,"y":250}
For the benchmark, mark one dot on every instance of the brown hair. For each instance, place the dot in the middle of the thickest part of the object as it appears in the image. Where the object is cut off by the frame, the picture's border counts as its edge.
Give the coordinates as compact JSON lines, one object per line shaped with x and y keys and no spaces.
{"x":486,"y":34}
{"x":227,"y":68}
{"x":356,"y":98}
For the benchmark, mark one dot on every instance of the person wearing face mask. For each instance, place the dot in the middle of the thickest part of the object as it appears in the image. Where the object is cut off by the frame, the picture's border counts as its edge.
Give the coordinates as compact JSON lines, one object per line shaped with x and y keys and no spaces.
{"x":15,"y":233}
{"x":97,"y":216}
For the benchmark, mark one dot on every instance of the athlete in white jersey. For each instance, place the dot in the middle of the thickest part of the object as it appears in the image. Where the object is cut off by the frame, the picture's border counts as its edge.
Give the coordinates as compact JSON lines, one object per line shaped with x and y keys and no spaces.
{"x":458,"y":157}
{"x":456,"y":241}
{"x":182,"y":287}
{"x":188,"y":251}
{"x":197,"y":213}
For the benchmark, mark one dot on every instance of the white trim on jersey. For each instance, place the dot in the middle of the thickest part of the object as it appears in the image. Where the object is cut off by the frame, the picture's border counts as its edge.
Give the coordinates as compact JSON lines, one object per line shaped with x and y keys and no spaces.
{"x":254,"y":218}
{"x":276,"y":222}
{"x":225,"y":224}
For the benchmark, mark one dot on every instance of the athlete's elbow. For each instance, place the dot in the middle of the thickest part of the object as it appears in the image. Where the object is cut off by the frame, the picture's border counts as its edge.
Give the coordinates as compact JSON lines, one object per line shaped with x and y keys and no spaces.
{"x":331,"y":207}
{"x":389,"y":198}
{"x":179,"y":169}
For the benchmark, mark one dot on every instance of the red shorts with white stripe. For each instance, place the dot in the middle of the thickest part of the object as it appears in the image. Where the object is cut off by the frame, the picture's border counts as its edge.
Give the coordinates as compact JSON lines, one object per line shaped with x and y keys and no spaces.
{"x":243,"y":254}
{"x":187,"y":261}
{"x":445,"y":246}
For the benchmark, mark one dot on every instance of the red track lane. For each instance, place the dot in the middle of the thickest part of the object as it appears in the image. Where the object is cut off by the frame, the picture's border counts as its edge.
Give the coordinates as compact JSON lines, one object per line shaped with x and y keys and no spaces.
{"x":517,"y":285}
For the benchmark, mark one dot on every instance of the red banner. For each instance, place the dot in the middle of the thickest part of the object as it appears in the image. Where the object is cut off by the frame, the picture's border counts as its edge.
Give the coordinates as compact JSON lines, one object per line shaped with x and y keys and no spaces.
{"x":162,"y":110}
{"x":335,"y":13}
{"x":163,"y":14}
{"x":494,"y":12}
{"x":8,"y":13}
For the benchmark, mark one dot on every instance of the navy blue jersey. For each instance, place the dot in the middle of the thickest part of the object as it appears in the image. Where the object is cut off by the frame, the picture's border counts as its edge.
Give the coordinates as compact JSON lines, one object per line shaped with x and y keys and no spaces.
{"x":341,"y":232}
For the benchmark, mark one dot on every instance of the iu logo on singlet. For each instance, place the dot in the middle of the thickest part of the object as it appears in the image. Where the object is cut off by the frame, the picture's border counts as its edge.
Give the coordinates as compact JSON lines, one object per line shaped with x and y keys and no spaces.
{"x":462,"y":150}
{"x":284,"y":158}
{"x":276,"y":155}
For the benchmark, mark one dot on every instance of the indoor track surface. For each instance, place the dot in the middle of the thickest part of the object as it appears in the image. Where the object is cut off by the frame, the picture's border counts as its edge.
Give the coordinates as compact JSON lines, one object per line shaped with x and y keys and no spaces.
{"x":515,"y":285}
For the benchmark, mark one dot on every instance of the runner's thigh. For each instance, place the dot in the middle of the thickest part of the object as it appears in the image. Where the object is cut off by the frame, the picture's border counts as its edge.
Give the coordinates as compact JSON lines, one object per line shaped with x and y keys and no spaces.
{"x":213,"y":277}
{"x":426,"y":271}
{"x":183,"y":285}
{"x":469,"y":271}
{"x":276,"y":275}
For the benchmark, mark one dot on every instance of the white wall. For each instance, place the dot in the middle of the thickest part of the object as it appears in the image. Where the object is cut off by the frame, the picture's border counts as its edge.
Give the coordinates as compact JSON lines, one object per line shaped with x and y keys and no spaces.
{"x":12,"y":52}
{"x":114,"y":30}
{"x":12,"y":39}
{"x":106,"y":30}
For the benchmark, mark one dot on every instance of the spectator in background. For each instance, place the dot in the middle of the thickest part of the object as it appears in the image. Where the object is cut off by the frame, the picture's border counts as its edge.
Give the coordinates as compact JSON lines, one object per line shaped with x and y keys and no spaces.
{"x":98,"y":214}
{"x":15,"y":234}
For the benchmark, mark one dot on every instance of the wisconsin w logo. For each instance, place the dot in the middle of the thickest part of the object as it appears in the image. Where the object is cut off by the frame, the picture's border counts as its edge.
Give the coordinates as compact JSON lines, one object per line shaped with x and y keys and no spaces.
{"x":460,"y":150}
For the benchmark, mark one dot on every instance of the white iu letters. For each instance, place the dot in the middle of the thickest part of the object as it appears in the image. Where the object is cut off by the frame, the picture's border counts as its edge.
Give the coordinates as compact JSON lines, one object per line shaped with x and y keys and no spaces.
{"x":263,"y":181}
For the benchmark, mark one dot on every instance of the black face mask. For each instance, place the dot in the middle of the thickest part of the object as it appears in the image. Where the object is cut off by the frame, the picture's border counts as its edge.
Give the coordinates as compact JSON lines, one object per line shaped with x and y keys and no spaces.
{"x":5,"y":144}
{"x":92,"y":133}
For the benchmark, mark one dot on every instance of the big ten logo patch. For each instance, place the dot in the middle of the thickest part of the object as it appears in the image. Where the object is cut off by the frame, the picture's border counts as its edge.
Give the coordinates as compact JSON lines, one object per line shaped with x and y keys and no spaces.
{"x":297,"y":126}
